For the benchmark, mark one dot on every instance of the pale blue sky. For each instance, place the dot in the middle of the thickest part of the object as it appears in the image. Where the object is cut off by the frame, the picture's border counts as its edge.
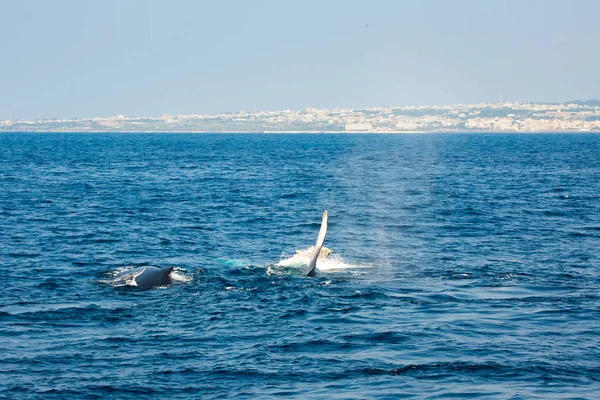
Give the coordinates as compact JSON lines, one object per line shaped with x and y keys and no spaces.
{"x":82,"y":58}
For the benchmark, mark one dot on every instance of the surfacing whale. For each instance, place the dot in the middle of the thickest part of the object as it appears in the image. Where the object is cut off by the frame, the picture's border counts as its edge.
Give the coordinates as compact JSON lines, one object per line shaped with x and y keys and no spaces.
{"x":147,"y":277}
{"x":312,"y":264}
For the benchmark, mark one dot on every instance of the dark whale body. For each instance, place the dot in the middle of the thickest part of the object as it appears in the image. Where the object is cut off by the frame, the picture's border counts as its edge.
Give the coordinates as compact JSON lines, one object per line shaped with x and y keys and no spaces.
{"x":148,"y":277}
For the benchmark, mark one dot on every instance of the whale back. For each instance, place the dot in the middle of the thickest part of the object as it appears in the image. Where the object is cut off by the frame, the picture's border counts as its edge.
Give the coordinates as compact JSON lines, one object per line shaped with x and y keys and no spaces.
{"x":312,"y":264}
{"x":152,"y":277}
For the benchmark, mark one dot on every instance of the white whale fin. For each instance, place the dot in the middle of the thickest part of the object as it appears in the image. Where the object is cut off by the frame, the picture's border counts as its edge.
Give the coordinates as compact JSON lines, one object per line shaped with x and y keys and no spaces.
{"x":312,"y":264}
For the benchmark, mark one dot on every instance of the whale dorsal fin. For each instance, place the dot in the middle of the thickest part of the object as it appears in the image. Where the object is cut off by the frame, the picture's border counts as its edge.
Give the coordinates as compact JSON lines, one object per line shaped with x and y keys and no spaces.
{"x":312,"y":264}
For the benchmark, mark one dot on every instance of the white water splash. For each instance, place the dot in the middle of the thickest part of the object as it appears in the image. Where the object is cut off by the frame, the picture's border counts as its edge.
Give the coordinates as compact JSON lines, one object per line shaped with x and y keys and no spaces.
{"x":325,"y":262}
{"x":179,"y":276}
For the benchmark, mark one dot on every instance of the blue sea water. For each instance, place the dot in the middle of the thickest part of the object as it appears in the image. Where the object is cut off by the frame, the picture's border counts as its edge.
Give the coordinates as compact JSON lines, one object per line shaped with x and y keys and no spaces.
{"x":468,"y":266}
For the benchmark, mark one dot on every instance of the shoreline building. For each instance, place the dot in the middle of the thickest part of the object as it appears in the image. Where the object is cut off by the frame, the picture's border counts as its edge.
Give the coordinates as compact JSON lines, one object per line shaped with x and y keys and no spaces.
{"x":358,"y":126}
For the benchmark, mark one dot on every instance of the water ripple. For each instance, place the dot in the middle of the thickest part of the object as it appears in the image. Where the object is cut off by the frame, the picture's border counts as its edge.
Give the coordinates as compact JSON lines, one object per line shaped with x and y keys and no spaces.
{"x":470,"y":266}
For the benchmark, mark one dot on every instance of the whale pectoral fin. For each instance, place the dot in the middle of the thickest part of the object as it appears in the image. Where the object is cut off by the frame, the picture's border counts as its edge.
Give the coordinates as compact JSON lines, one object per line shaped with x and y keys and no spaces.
{"x":312,"y":264}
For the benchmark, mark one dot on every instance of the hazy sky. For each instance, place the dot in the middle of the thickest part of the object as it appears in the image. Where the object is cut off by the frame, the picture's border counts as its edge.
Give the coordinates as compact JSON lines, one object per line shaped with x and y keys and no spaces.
{"x":82,"y":58}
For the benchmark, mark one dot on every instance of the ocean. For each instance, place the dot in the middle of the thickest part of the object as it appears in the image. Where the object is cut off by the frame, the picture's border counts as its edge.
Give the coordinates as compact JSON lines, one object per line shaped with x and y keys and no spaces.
{"x":462,"y":266}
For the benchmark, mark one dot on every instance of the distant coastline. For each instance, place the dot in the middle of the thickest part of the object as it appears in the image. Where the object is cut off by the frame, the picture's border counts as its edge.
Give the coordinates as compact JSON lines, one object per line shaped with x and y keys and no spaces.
{"x":505,"y":117}
{"x":595,"y":132}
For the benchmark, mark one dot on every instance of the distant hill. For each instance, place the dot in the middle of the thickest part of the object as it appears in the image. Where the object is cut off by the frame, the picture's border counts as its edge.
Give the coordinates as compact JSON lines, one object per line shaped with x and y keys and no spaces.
{"x":589,"y":103}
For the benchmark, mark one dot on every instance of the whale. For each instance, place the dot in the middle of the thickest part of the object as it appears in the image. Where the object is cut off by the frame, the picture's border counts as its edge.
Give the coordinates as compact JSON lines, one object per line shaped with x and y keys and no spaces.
{"x":147,"y":277}
{"x":312,"y":263}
